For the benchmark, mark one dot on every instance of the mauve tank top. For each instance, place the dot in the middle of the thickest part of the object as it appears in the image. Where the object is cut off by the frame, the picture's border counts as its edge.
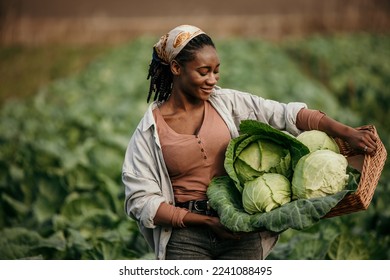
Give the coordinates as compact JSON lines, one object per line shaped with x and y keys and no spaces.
{"x":193,"y":160}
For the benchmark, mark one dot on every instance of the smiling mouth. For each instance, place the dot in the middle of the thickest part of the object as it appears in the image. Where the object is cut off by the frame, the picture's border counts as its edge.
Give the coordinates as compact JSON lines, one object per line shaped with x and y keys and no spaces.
{"x":207,"y":90}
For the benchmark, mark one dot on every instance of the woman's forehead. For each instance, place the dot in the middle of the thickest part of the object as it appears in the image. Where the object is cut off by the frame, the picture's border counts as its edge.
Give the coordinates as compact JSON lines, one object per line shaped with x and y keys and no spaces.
{"x":206,"y":54}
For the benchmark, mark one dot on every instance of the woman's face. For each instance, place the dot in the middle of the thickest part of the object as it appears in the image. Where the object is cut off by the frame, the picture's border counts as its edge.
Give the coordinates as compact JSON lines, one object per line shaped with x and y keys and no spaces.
{"x":197,"y":78}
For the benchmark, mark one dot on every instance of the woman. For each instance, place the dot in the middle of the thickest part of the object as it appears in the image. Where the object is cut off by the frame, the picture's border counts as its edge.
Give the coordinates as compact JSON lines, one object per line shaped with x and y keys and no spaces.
{"x":180,"y":143}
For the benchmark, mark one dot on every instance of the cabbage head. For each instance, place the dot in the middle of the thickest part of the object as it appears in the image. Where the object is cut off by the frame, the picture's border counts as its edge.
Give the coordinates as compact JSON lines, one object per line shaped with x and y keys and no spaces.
{"x":262,"y":156}
{"x":267,"y":192}
{"x":318,"y":140}
{"x":261,"y":149}
{"x":318,"y":174}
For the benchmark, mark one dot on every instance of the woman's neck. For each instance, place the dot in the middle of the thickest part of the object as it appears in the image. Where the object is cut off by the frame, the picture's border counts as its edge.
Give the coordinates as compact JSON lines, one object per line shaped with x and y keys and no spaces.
{"x":182,"y":103}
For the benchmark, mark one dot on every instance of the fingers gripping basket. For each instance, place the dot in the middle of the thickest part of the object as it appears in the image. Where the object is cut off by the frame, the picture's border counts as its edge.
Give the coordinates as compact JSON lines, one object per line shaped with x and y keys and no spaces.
{"x":370,"y":167}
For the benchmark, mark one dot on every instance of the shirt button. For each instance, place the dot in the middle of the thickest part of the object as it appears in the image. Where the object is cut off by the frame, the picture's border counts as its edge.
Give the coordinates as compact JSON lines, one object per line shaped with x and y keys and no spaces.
{"x":170,"y":202}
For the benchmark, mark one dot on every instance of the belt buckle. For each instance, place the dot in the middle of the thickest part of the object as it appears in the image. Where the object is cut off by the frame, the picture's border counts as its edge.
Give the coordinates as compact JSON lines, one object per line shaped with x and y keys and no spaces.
{"x":199,"y":208}
{"x":196,"y":205}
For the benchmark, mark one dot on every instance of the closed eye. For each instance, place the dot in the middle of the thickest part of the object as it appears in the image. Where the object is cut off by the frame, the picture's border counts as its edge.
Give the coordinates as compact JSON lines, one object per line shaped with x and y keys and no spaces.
{"x":203,"y":71}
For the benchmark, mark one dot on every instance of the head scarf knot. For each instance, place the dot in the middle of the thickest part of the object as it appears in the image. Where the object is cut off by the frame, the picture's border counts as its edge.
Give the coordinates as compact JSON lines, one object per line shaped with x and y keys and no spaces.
{"x":170,"y":44}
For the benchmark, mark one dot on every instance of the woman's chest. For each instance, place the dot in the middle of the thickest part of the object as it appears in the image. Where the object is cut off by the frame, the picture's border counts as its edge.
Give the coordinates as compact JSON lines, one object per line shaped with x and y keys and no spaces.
{"x":187,"y":124}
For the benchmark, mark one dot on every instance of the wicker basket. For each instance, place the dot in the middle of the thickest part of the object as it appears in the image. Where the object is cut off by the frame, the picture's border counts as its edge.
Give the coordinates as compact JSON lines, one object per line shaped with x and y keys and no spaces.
{"x":370,"y":167}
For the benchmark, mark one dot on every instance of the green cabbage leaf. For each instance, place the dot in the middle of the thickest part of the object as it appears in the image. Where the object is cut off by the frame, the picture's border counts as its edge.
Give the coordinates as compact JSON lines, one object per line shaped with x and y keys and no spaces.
{"x":298,"y":214}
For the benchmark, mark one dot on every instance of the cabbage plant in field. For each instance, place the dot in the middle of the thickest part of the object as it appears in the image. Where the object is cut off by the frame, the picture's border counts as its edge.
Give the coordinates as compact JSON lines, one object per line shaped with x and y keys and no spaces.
{"x":61,"y":154}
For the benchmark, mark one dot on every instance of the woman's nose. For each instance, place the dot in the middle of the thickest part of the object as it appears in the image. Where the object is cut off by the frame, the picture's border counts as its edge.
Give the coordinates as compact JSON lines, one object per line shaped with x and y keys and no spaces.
{"x":213,"y":79}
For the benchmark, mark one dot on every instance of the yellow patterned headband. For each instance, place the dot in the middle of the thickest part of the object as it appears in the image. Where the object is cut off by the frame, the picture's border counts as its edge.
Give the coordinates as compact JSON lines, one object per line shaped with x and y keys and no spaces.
{"x":174,"y":41}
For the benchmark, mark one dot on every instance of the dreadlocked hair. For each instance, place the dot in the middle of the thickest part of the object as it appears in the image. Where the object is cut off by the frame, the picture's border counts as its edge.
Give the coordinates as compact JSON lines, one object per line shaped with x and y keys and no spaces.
{"x":160,"y":75}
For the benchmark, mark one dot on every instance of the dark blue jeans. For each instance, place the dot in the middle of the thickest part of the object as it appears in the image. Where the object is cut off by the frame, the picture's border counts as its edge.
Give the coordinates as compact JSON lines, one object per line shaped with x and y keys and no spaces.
{"x":200,"y":243}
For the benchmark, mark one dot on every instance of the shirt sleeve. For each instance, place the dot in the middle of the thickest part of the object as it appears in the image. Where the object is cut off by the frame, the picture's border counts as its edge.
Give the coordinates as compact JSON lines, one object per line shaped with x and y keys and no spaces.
{"x":143,"y":197}
{"x":242,"y":106}
{"x":142,"y":177}
{"x":309,"y":119}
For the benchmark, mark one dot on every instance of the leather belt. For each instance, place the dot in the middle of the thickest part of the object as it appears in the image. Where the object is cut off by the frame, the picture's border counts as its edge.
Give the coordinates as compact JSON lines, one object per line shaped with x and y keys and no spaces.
{"x":197,"y":206}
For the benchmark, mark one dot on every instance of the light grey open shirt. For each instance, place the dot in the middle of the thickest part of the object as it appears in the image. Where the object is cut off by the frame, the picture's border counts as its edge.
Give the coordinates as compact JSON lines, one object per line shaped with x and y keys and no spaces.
{"x":145,"y":174}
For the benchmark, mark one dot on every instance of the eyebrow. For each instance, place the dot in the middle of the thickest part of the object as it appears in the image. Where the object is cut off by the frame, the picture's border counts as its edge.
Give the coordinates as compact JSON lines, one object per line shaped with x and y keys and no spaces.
{"x":207,"y":67}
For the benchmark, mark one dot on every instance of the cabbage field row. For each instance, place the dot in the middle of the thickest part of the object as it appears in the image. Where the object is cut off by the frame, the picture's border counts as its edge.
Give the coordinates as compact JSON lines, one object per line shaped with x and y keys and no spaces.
{"x":61,"y":152}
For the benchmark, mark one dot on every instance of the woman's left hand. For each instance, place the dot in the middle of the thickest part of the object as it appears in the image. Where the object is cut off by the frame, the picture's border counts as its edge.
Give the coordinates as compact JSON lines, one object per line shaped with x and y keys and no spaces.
{"x":363,"y":139}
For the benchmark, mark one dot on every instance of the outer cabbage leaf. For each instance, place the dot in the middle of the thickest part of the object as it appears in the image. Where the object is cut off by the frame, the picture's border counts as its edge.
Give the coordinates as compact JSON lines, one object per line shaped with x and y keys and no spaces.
{"x":275,"y":158}
{"x":251,"y":155}
{"x":245,"y":172}
{"x":225,"y":198}
{"x":298,"y":214}
{"x":230,"y":157}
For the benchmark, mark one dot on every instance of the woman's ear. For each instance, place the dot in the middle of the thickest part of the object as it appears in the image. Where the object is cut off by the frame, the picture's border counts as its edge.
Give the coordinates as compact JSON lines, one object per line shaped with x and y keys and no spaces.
{"x":175,"y":68}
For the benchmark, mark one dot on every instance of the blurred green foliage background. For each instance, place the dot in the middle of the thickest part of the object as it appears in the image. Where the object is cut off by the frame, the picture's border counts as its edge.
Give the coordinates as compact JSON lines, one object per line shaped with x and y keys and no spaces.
{"x":67,"y":115}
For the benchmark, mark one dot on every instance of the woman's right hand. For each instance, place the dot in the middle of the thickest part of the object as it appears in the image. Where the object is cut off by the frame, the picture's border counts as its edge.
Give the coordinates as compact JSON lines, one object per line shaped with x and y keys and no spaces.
{"x":220,"y":230}
{"x":193,"y":219}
